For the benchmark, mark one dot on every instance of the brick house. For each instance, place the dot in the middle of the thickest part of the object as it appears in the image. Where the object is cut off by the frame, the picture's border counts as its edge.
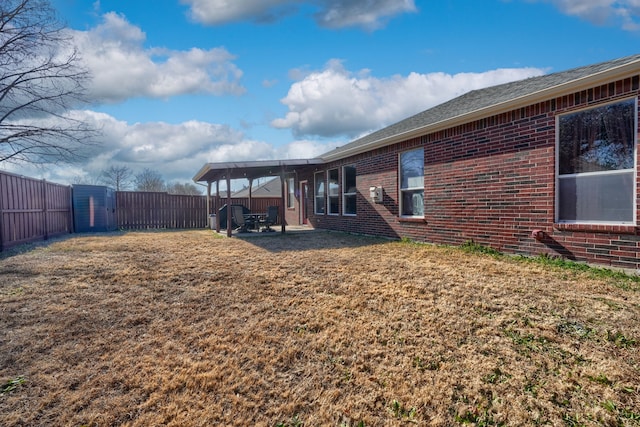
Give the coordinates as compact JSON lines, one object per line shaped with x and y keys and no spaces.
{"x":543,"y":165}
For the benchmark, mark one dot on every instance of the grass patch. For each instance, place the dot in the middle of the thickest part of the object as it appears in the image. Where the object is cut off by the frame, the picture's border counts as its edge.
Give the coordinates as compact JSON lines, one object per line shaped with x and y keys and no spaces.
{"x":621,"y":412}
{"x":294,"y":422}
{"x":12,"y":291}
{"x":496,"y":376}
{"x":472,"y":247}
{"x":179,"y":328}
{"x":620,"y":340}
{"x":479,"y":417}
{"x":621,"y":279}
{"x":601,"y":379}
{"x":426,"y":364}
{"x":11,"y":385}
{"x":402,"y":412}
{"x":527,"y":343}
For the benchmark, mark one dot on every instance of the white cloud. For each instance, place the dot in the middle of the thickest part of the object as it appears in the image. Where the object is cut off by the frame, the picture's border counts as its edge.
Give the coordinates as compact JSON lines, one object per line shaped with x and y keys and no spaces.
{"x":625,"y":13}
{"x":372,"y":14}
{"x":368,"y":14}
{"x":123,"y":68}
{"x":161,"y":143}
{"x":215,"y":12}
{"x":335,"y":101}
{"x":306,"y":149}
{"x":177,"y":151}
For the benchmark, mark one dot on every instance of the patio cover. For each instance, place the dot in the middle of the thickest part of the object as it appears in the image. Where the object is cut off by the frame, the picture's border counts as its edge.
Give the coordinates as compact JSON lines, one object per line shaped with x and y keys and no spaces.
{"x":215,"y":172}
{"x":212,"y":172}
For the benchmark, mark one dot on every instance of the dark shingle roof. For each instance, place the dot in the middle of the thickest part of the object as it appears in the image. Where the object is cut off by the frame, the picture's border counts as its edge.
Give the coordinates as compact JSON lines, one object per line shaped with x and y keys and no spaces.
{"x":479,"y":99}
{"x":271,"y":188}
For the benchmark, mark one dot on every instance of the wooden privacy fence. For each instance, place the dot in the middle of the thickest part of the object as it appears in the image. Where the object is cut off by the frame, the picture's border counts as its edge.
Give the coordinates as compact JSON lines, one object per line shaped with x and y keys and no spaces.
{"x":32,"y":209}
{"x":144,"y":210}
{"x":258,"y":204}
{"x":138,"y":210}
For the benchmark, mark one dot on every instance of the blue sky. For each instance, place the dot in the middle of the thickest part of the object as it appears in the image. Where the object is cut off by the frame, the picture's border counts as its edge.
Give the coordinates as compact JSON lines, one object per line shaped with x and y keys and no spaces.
{"x":178,"y":83}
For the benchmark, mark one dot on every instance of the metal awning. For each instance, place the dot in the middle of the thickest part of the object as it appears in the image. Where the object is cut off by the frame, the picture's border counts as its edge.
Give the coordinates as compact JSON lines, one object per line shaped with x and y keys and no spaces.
{"x":212,"y":172}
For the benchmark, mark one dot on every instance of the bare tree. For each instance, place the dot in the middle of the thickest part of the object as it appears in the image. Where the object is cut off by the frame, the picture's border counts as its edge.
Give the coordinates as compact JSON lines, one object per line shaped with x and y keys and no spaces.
{"x":149,"y":180}
{"x":186,"y":189}
{"x":118,"y":177}
{"x":41,"y":79}
{"x":85,"y":180}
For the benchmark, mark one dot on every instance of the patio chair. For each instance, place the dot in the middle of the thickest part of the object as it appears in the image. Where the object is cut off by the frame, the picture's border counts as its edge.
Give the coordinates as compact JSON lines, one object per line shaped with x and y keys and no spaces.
{"x":270,"y":219}
{"x":237,"y":216}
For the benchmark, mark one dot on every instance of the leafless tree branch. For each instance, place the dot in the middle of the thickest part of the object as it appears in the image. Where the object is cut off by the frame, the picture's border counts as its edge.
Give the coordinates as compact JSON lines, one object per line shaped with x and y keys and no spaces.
{"x":41,"y":80}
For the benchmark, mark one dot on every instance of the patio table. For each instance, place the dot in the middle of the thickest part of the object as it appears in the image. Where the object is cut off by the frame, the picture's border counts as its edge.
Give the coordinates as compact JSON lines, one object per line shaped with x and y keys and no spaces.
{"x":254,"y":218}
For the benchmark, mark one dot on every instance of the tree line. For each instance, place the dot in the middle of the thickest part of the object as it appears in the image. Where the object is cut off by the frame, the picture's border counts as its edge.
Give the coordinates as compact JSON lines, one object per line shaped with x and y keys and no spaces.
{"x":122,"y":178}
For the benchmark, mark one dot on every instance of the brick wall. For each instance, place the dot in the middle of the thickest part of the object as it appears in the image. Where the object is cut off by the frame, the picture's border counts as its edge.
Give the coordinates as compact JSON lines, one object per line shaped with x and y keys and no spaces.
{"x":491,"y":181}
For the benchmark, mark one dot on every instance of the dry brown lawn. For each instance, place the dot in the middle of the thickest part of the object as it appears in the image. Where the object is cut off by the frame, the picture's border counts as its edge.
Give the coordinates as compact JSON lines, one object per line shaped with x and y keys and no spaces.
{"x":321,"y":329}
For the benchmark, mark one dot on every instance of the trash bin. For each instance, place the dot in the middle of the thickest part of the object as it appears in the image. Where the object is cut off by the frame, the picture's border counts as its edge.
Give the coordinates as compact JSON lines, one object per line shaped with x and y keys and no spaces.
{"x":212,"y":221}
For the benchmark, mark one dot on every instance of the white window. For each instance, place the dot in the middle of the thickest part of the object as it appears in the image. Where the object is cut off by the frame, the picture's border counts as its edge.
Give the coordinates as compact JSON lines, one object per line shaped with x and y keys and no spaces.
{"x":319,"y":193}
{"x":596,"y":154}
{"x":349,"y":190}
{"x":334,"y":192}
{"x":412,"y":183}
{"x":291,"y":196}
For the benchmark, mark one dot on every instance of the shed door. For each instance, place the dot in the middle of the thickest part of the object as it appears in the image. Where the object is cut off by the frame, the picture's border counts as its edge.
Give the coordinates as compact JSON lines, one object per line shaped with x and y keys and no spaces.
{"x":110,"y":208}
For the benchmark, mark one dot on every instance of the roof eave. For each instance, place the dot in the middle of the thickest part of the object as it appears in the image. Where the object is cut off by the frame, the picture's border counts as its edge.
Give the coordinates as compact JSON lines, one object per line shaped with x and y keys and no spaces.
{"x":222,"y":167}
{"x":622,"y":71}
{"x":203,"y":170}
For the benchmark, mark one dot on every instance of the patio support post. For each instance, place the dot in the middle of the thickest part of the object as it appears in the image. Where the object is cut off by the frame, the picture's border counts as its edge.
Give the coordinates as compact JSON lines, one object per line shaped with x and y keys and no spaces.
{"x":228,"y":202}
{"x":283,"y":202}
{"x":217,"y":205}
{"x":250,"y":196}
{"x":208,"y":200}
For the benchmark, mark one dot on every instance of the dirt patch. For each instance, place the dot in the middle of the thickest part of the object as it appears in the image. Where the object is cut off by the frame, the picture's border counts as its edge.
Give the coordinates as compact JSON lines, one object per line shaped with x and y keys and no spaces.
{"x":184,"y":328}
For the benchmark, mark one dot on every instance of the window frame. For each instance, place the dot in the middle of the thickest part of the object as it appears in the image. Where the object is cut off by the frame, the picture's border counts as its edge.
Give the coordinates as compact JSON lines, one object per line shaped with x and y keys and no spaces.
{"x":345,"y":194}
{"x":604,"y":173}
{"x":315,"y":193}
{"x":291,"y":193}
{"x":330,"y":196}
{"x":409,"y":189}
